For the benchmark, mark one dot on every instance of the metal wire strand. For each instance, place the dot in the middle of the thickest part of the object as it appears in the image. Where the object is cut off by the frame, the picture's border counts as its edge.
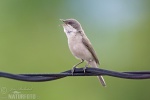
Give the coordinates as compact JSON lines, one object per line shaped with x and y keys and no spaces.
{"x":78,"y":72}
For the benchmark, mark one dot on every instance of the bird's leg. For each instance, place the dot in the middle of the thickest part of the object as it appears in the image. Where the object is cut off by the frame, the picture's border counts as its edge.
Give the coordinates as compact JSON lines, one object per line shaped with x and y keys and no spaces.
{"x":84,"y":69}
{"x":73,"y":69}
{"x":86,"y":66}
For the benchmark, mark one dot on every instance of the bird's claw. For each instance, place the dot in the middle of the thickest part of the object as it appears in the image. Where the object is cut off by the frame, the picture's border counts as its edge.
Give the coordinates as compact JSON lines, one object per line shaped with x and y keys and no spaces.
{"x":84,"y":69}
{"x":73,"y":69}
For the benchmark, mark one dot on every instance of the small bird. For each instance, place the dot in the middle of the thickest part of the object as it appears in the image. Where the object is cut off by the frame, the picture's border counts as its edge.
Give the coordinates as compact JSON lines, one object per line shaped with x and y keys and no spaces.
{"x":80,"y":46}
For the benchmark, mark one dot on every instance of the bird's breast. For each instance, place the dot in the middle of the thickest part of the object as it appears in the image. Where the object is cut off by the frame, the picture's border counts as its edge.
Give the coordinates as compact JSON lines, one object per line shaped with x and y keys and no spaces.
{"x":78,"y":49}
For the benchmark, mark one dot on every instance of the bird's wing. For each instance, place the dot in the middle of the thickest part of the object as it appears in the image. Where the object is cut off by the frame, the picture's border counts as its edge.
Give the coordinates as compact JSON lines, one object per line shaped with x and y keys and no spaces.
{"x":88,"y":45}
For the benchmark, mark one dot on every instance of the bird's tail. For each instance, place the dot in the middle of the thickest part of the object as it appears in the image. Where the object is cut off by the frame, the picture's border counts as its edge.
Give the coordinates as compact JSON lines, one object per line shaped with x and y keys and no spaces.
{"x":101,"y":79}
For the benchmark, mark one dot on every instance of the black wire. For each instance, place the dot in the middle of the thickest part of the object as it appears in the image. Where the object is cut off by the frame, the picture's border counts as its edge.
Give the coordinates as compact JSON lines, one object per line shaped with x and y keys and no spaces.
{"x":78,"y":72}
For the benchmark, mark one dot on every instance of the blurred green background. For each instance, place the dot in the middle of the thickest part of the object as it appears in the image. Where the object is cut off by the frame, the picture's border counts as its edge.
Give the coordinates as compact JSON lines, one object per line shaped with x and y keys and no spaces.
{"x":31,"y":41}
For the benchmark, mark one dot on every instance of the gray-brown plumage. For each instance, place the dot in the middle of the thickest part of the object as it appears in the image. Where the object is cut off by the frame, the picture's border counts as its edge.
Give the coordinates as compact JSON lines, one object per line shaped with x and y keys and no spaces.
{"x":79,"y":45}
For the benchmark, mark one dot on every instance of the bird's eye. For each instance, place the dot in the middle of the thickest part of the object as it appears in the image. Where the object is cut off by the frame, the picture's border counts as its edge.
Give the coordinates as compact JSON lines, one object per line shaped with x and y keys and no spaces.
{"x":69,"y":22}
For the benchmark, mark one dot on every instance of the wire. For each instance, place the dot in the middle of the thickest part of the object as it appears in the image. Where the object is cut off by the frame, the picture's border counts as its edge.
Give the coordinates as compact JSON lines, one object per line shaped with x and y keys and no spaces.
{"x":78,"y":72}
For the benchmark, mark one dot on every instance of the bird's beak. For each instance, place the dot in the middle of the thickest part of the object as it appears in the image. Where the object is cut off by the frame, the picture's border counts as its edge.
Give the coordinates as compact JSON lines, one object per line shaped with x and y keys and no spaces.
{"x":62,"y":20}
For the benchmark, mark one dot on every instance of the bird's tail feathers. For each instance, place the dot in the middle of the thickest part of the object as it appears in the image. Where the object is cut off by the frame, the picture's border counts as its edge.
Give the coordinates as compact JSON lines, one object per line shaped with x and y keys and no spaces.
{"x":101,"y":79}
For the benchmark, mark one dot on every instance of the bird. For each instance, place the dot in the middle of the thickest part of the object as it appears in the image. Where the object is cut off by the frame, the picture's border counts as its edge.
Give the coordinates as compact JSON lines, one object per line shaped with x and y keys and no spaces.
{"x":80,"y":46}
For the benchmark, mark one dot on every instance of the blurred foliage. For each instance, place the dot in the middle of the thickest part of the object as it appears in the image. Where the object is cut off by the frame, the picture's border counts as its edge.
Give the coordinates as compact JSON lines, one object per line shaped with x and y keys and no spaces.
{"x":32,"y":41}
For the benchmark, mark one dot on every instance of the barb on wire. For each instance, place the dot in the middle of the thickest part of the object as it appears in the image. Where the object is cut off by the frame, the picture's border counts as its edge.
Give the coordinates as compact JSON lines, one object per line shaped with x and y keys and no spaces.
{"x":78,"y":72}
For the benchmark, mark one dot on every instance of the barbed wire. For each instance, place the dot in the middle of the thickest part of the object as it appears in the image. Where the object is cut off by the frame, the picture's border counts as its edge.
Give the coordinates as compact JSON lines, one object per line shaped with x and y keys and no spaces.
{"x":78,"y":72}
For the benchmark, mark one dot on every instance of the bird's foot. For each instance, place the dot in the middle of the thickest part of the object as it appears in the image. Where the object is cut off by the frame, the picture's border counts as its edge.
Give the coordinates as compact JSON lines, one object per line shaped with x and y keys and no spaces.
{"x":73,"y":69}
{"x":84,"y":68}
